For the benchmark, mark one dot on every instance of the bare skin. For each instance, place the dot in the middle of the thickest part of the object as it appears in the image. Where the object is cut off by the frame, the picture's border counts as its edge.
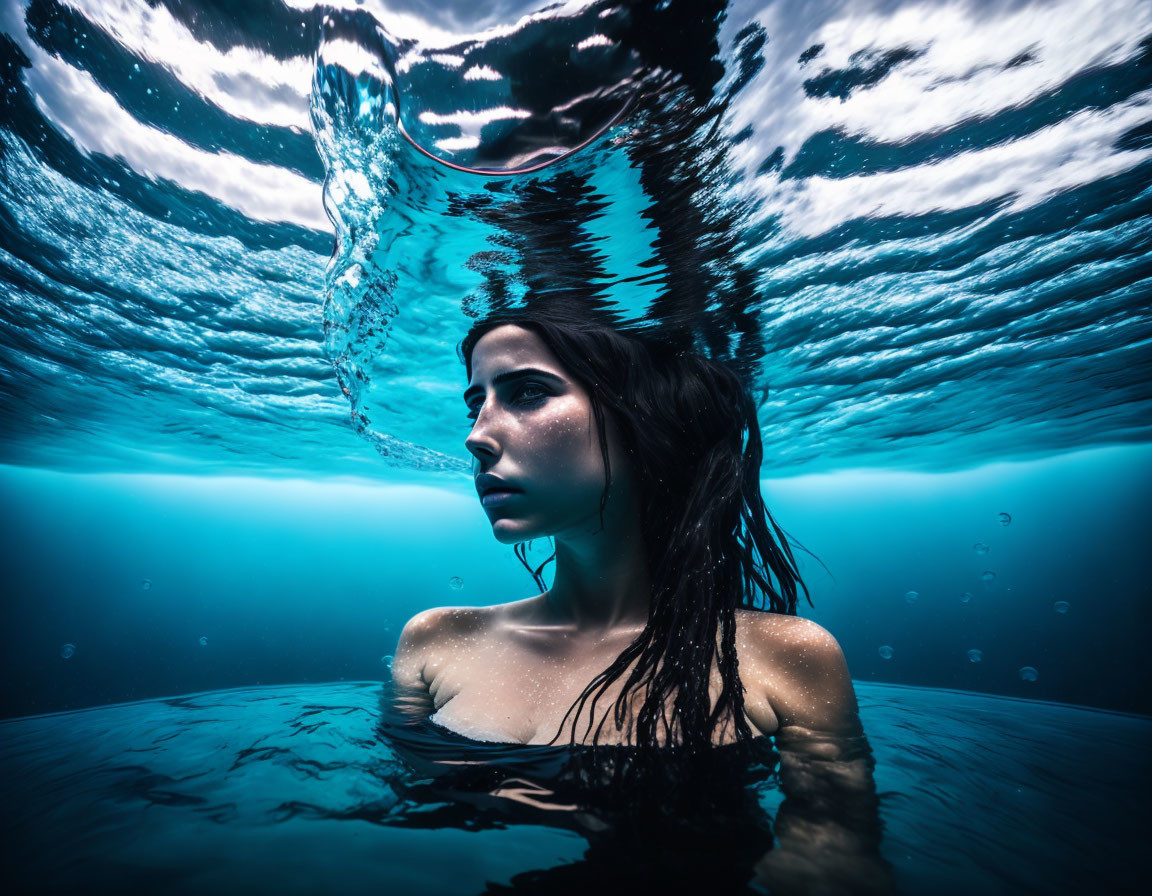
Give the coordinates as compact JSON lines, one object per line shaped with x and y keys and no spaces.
{"x":509,"y":673}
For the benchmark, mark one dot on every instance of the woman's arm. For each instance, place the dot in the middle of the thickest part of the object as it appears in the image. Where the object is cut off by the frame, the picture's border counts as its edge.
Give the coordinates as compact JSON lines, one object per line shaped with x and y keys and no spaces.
{"x":828,"y":828}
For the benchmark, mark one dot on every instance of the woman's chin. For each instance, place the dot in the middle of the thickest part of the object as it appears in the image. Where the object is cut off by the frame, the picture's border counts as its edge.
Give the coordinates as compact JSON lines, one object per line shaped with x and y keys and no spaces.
{"x":511,"y":531}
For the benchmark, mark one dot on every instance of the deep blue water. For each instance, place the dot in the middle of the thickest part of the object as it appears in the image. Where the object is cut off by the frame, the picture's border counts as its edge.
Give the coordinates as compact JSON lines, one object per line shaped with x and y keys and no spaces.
{"x":240,"y":242}
{"x":287,"y":790}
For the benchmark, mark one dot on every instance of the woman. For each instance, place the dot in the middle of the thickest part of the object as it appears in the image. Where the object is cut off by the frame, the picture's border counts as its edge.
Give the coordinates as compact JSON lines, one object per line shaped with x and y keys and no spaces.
{"x":641,"y":459}
{"x":670,"y":626}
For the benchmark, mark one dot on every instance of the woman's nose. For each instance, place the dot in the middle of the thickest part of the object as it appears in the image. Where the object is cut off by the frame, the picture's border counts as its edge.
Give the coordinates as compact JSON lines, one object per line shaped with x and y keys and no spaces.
{"x":481,"y":441}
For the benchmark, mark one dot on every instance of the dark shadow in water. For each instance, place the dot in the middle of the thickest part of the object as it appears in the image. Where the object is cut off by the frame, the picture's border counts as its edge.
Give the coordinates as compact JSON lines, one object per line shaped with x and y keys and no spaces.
{"x":686,"y":825}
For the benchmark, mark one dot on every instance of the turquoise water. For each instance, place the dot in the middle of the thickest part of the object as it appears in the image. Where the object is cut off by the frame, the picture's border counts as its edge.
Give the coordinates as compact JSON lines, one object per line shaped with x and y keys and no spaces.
{"x":238,"y":246}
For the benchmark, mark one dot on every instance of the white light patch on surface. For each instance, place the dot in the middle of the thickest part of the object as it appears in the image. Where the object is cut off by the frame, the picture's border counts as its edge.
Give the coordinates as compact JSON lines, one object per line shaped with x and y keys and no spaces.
{"x":77,"y":106}
{"x":974,"y":62}
{"x":467,"y":120}
{"x":482,"y":73}
{"x":353,"y":58}
{"x":596,"y":40}
{"x":1024,"y":172}
{"x":243,"y":82}
{"x":456,"y":144}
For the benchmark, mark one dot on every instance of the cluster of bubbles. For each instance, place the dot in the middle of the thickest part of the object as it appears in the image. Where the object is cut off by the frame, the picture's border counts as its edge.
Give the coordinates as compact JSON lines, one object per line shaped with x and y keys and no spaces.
{"x":1026,"y":673}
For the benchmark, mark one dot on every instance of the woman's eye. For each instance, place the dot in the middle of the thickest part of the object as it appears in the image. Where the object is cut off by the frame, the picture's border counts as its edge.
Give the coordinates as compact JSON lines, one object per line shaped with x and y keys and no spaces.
{"x":528,"y":394}
{"x":531,"y":393}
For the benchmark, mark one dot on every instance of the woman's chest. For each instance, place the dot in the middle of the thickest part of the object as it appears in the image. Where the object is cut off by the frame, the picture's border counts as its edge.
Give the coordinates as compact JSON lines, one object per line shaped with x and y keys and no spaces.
{"x":511,"y":693}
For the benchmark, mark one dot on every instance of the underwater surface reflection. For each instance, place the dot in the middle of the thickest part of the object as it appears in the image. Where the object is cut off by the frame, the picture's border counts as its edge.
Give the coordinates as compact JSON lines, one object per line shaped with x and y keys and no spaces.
{"x":919,"y":226}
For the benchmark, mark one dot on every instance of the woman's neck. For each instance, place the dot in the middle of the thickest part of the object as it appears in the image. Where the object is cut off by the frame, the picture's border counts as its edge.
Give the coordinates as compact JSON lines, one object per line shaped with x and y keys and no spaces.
{"x":601,"y":582}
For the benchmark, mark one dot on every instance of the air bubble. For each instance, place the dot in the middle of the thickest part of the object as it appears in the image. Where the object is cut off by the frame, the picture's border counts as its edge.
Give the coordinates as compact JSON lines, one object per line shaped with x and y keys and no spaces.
{"x":67,"y":650}
{"x":1003,"y":519}
{"x":1061,"y":606}
{"x":146,"y":584}
{"x":965,"y":597}
{"x":989,"y":576}
{"x":1029,"y":673}
{"x":974,"y":656}
{"x":912,"y":596}
{"x":885,"y":652}
{"x":203,"y":641}
{"x":456,"y":583}
{"x":980,"y":548}
{"x":387,"y":661}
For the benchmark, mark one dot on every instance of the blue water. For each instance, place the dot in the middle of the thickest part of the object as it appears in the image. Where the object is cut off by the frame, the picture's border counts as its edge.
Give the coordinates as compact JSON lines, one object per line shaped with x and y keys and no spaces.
{"x":240,"y":242}
{"x":285,"y":790}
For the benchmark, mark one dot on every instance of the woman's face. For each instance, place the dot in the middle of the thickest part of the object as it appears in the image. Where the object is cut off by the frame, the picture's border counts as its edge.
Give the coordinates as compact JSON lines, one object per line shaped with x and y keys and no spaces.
{"x":534,"y":430}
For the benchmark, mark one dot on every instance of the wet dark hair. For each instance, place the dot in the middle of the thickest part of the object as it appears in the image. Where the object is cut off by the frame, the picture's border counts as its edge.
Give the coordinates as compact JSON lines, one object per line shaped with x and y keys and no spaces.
{"x":689,"y":427}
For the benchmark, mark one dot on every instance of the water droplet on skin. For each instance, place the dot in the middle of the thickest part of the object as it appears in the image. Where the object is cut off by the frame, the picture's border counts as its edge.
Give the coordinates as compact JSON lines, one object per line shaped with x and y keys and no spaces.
{"x":67,"y":650}
{"x":912,"y":596}
{"x":965,"y":597}
{"x":203,"y":641}
{"x":1029,"y":673}
{"x":146,"y":584}
{"x":989,"y":576}
{"x":980,"y":548}
{"x":974,"y":656}
{"x":456,"y":582}
{"x":885,"y":652}
{"x":1061,"y":606}
{"x":1003,"y":519}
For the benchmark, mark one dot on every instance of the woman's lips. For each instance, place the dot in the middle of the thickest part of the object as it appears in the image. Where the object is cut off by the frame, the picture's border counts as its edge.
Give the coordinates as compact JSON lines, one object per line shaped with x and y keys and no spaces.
{"x":496,"y":497}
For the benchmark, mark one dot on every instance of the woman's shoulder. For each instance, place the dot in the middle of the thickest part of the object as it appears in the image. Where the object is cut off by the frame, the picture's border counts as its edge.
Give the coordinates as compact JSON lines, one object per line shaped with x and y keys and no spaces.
{"x":779,"y":631}
{"x":794,"y":659}
{"x":439,"y":623}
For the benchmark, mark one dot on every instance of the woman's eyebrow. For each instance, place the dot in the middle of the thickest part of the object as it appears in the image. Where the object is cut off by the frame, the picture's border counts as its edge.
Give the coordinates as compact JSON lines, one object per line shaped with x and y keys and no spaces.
{"x":509,"y":376}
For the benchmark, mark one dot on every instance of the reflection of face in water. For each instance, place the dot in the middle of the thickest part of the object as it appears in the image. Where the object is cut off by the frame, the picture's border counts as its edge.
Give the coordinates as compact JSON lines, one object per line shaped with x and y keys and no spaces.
{"x":535,"y":433}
